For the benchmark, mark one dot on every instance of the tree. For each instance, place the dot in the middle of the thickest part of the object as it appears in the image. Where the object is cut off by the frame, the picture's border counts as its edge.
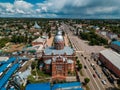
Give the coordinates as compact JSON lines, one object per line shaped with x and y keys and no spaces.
{"x":30,"y":39}
{"x":48,"y":29}
{"x":41,"y":33}
{"x":79,"y":66}
{"x":63,"y":33}
{"x":49,"y":35}
{"x":3,"y":41}
{"x":33,"y":65}
{"x":78,"y":62}
{"x":114,"y":39}
{"x":86,"y":80}
{"x":76,"y":57}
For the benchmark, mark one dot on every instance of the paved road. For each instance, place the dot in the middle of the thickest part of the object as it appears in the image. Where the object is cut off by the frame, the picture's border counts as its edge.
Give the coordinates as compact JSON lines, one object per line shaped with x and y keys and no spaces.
{"x":80,"y":47}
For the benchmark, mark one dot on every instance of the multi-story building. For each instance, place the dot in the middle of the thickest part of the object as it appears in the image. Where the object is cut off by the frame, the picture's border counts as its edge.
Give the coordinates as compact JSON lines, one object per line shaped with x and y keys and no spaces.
{"x":59,"y":59}
{"x":111,"y":60}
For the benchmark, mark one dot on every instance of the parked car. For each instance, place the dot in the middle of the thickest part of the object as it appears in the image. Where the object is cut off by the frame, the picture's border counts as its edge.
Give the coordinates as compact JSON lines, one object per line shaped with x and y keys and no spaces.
{"x":100,"y":75}
{"x":94,"y":75}
{"x":96,"y":72}
{"x":94,"y":68}
{"x":104,"y":82}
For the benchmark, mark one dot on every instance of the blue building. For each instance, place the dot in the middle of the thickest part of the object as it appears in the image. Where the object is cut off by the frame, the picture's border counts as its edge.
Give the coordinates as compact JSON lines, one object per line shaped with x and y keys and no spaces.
{"x":38,"y":86}
{"x":116,"y":45}
{"x":62,"y":86}
{"x":68,"y":86}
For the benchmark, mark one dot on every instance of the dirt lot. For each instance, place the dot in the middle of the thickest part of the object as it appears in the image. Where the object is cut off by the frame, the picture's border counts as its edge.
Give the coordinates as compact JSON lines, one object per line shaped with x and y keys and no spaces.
{"x":49,"y":41}
{"x":13,"y":47}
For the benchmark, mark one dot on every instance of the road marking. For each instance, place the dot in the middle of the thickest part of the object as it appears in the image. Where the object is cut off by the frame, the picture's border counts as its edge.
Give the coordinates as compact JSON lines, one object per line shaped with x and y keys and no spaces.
{"x":79,"y":51}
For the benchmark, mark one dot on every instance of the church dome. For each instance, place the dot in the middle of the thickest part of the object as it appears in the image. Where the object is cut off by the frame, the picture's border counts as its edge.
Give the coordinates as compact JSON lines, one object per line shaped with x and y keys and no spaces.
{"x":58,"y":38}
{"x":59,"y":33}
{"x":59,"y":41}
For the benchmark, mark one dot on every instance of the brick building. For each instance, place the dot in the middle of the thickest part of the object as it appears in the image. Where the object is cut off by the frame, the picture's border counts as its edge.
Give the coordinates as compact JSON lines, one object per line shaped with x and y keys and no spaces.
{"x":59,"y":59}
{"x":111,"y":60}
{"x":39,"y":41}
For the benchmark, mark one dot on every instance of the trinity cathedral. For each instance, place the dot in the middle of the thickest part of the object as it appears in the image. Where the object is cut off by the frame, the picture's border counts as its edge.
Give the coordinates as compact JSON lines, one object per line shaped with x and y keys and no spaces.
{"x":59,"y":59}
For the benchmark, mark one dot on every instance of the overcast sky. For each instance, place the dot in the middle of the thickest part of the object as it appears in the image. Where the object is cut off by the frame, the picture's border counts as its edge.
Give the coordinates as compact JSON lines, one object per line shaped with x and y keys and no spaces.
{"x":107,"y":9}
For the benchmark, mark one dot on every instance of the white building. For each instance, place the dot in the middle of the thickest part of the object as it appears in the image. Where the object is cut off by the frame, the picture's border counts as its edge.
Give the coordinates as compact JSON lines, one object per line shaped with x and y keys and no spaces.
{"x":21,"y":77}
{"x":3,"y":59}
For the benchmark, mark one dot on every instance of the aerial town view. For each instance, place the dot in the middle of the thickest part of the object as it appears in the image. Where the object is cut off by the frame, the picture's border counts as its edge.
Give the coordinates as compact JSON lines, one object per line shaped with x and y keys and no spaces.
{"x":59,"y":45}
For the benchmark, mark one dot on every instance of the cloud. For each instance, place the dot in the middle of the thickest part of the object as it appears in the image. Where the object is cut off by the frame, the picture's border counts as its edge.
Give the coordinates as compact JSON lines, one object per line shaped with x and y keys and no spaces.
{"x":18,"y":7}
{"x":63,"y":8}
{"x":22,"y":5}
{"x":82,"y":8}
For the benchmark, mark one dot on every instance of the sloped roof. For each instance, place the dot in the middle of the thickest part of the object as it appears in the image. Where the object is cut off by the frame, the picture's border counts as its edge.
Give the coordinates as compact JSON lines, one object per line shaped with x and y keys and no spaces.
{"x":50,"y":50}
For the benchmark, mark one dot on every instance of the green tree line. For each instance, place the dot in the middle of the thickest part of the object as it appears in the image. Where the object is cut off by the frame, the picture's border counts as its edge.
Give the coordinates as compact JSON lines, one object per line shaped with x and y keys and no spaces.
{"x":93,"y":38}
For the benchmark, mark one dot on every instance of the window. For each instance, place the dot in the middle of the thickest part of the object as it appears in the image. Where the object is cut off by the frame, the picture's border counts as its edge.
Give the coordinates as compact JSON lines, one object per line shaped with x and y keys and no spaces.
{"x":59,"y":67}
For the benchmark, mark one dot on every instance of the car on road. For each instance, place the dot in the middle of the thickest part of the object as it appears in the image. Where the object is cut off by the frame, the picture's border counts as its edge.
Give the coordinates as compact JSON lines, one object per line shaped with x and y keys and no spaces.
{"x":100,"y":75}
{"x":111,"y":79}
{"x":92,"y":64}
{"x":94,"y":75}
{"x":104,"y":82}
{"x":85,"y":66}
{"x":94,"y":68}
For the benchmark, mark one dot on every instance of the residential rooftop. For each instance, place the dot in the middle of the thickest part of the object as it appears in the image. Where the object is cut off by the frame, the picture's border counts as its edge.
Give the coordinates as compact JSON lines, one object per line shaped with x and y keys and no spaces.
{"x":39,"y":40}
{"x":116,"y":43}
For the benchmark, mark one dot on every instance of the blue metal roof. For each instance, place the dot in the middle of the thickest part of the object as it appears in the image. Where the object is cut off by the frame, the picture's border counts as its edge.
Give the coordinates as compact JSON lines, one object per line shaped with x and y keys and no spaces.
{"x":46,"y":86}
{"x":6,"y":77}
{"x":50,"y":50}
{"x":12,"y":59}
{"x":3,"y":88}
{"x":12,"y":89}
{"x":38,"y":86}
{"x":68,"y":86}
{"x":116,"y":43}
{"x":3,"y":67}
